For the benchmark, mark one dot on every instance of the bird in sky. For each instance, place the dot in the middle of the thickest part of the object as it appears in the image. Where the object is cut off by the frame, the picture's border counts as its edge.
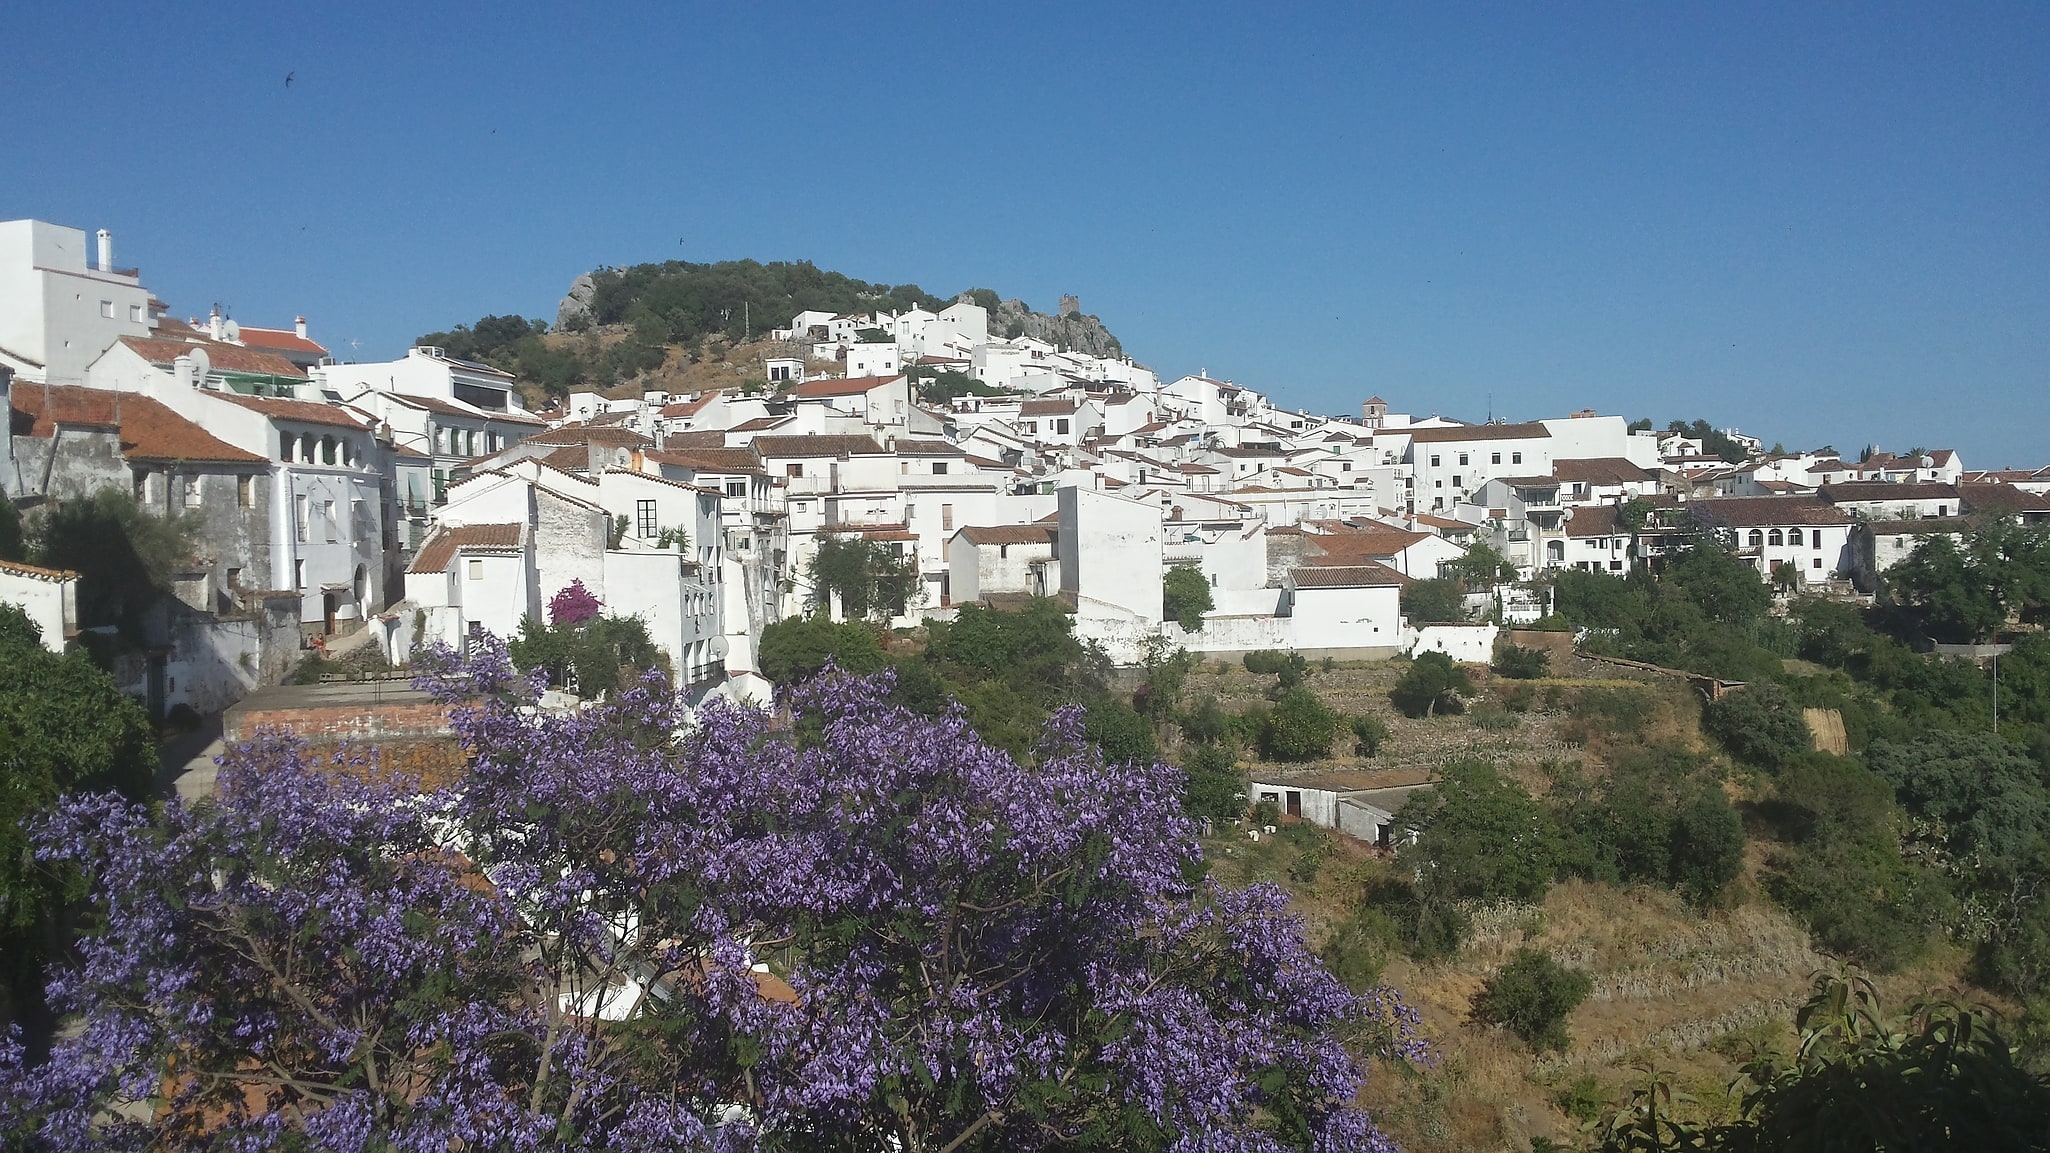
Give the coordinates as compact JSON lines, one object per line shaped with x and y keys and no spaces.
{"x":288,"y":78}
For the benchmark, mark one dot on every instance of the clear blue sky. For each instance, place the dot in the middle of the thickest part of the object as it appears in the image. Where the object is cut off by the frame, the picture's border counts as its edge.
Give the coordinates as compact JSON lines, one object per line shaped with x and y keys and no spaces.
{"x":1822,"y":223}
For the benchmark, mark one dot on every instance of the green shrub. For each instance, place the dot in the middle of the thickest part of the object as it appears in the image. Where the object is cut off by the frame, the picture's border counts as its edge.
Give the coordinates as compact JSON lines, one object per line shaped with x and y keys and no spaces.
{"x":1206,"y":722}
{"x":1583,"y":1099}
{"x":1369,"y":734}
{"x":1759,"y":725}
{"x":1479,"y":837}
{"x":1519,"y":663}
{"x":1216,"y":789}
{"x":1531,"y":997}
{"x":1493,"y":720}
{"x":1433,"y":684}
{"x":1300,"y":728}
{"x":1358,"y":950}
{"x":1431,"y":602}
{"x":1185,"y":596}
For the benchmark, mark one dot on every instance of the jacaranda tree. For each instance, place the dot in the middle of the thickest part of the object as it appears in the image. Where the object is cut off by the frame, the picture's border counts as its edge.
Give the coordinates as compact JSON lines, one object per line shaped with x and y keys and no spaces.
{"x":626,"y":929}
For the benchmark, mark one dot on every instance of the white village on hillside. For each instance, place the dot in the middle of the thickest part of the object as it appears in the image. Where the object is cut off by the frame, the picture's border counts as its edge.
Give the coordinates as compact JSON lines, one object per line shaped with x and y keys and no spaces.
{"x":399,"y":503}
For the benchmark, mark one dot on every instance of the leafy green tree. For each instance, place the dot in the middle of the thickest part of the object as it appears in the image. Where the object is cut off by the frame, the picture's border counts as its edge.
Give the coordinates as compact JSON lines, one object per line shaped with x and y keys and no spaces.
{"x":1300,"y":728}
{"x":1185,"y":596}
{"x":1842,"y":871}
{"x":1432,"y":602}
{"x":64,"y":727}
{"x":1725,"y":588}
{"x":125,"y":555}
{"x":594,"y":657}
{"x":1216,"y":789}
{"x":1480,"y":566}
{"x":1939,"y":588}
{"x":796,"y":648}
{"x":1433,"y":684}
{"x":1989,"y":798}
{"x":871,"y":579}
{"x":1531,"y":997}
{"x":1759,"y":724}
{"x":1479,"y":837}
{"x":1942,"y":1077}
{"x":1124,"y":736}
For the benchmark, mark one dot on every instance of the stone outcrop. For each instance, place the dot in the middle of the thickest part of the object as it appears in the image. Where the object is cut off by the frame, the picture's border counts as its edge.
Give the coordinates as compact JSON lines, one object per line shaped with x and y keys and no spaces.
{"x":1072,"y":329}
{"x":575,"y":310}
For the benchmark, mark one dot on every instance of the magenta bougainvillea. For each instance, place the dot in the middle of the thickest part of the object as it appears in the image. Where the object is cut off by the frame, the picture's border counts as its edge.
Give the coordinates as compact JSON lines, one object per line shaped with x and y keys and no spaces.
{"x":573,"y":605}
{"x":632,"y":929}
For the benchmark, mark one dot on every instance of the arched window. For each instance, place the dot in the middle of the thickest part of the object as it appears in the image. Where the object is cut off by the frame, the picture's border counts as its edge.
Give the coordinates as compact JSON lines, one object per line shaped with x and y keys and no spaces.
{"x":306,"y":447}
{"x":327,"y":450}
{"x":1775,"y":538}
{"x":1757,"y":538}
{"x":285,"y":448}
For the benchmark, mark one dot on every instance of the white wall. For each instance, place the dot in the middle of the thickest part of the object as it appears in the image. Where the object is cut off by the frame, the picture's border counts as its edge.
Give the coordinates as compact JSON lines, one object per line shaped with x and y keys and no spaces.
{"x":50,"y":299}
{"x":1468,"y":644}
{"x":52,"y":604}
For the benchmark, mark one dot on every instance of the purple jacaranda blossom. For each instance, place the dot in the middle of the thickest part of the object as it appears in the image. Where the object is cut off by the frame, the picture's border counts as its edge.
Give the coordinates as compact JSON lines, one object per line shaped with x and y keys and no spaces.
{"x":630,"y":928}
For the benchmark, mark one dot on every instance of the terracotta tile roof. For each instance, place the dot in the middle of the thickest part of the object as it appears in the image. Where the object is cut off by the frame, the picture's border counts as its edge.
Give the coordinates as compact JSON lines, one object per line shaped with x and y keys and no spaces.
{"x":281,"y":340}
{"x":223,"y":356}
{"x":1440,"y":522}
{"x":761,"y":424}
{"x":727,"y":460}
{"x":436,"y":404}
{"x":1008,"y":534}
{"x":299,"y":411}
{"x":1057,"y":407}
{"x":1601,"y":470}
{"x":1881,"y":490}
{"x":691,"y":407}
{"x":697,"y":438}
{"x":850,"y":386}
{"x":1347,"y":577}
{"x":907,"y":446}
{"x":815,"y":445}
{"x":31,"y":571}
{"x":1765,"y":511}
{"x":439,"y":549}
{"x":1532,"y":431}
{"x":585,"y":434}
{"x":2005,"y":498}
{"x":148,"y":430}
{"x":1593,"y":521}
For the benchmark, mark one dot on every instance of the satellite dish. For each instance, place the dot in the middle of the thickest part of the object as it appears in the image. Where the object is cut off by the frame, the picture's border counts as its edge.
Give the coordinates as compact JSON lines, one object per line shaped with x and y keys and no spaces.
{"x":202,"y":365}
{"x":231,"y":331}
{"x":718,"y":647}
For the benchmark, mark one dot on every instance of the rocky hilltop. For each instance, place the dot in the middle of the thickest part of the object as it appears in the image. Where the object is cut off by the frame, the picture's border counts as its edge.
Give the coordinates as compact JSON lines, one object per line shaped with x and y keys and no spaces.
{"x":1072,"y":329}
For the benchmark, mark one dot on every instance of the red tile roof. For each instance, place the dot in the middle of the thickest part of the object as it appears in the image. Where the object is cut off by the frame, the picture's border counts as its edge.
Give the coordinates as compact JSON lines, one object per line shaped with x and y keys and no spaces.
{"x":41,"y":574}
{"x":1347,"y":577}
{"x":722,"y":460}
{"x":282,"y":340}
{"x":300,"y":411}
{"x":442,"y":547}
{"x":851,"y":386}
{"x":1461,"y":432}
{"x":815,"y":445}
{"x":148,"y":429}
{"x":223,"y":356}
{"x":1008,"y":534}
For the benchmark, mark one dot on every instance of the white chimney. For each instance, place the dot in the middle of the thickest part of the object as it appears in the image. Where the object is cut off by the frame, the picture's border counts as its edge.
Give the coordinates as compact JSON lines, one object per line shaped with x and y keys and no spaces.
{"x":106,"y":251}
{"x":182,"y":370}
{"x":213,"y":323}
{"x":299,"y":326}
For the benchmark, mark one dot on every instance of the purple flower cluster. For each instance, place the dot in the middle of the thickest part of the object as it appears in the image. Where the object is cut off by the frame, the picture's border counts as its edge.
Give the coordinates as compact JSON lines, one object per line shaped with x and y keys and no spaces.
{"x":573,"y":605}
{"x":632,"y":929}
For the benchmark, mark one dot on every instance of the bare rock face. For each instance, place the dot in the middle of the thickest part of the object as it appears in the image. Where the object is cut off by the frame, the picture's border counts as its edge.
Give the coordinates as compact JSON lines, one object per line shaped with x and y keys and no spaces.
{"x":575,"y":310}
{"x":1072,"y":330}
